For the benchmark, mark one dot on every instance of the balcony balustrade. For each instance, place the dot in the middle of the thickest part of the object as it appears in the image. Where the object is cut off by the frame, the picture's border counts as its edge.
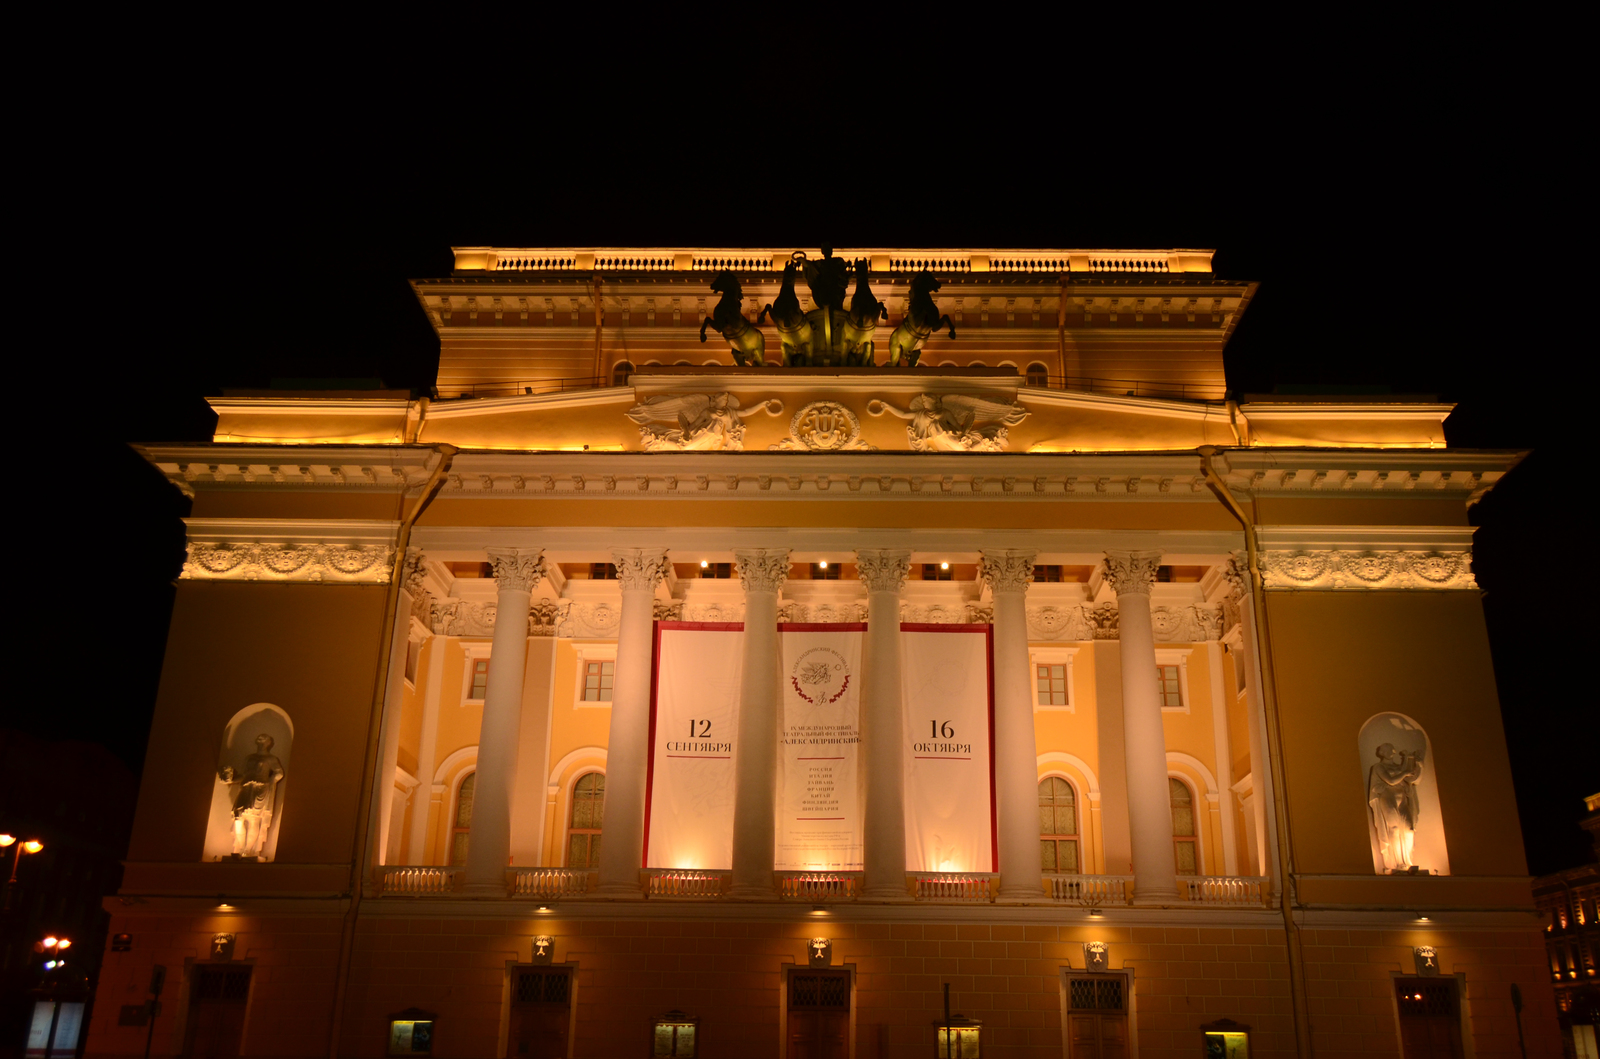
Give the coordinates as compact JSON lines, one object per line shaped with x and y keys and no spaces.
{"x":1092,"y":891}
{"x":1234,"y":891}
{"x":953,"y":886}
{"x":418,"y":881}
{"x":819,"y":887}
{"x":661,"y":882}
{"x":548,"y":882}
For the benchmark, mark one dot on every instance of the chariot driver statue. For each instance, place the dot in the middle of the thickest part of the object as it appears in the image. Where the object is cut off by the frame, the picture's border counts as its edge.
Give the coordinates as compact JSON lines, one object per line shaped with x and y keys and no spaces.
{"x":825,"y":277}
{"x":1392,"y":796}
{"x":257,"y":796}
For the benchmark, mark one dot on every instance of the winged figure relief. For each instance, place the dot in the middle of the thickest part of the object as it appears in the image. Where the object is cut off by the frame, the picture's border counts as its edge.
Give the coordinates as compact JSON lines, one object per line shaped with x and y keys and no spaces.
{"x":955,"y":422}
{"x":695,"y":421}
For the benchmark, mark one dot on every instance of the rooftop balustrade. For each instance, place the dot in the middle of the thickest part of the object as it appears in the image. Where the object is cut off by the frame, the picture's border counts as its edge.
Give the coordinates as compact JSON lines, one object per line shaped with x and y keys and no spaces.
{"x":773,"y":259}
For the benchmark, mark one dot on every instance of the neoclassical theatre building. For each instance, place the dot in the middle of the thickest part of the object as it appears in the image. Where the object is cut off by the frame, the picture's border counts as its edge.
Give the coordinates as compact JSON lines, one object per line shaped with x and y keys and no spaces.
{"x":742,"y":646}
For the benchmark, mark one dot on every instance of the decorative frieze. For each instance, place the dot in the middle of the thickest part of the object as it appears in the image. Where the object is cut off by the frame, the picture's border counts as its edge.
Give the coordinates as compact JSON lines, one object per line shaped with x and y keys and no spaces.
{"x":943,"y":613}
{"x":346,"y":564}
{"x":1334,"y":568}
{"x":822,"y":613}
{"x":824,"y":426}
{"x":883,"y":569}
{"x":1132,"y":573}
{"x":696,"y":422}
{"x":955,"y":422}
{"x":762,"y":569}
{"x":1007,"y":571}
{"x":590,"y":621}
{"x":459,"y":617}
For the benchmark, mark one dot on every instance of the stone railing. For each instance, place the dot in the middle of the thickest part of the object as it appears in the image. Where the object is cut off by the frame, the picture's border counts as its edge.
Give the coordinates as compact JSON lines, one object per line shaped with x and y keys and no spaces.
{"x":418,"y":881}
{"x":1090,"y":890}
{"x":674,"y":882}
{"x":1235,"y":891}
{"x":820,"y":886}
{"x":773,"y":259}
{"x":547,"y":882}
{"x":963,"y":886}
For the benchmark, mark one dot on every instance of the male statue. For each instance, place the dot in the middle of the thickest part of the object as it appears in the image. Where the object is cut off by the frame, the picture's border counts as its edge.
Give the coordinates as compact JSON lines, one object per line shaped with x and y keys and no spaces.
{"x":1392,"y":795}
{"x":258,"y":795}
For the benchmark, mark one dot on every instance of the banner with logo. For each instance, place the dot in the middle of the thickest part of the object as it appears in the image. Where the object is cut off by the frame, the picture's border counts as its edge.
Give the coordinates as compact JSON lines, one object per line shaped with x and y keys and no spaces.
{"x":694,"y":714}
{"x":948,"y":681}
{"x":819,"y":782}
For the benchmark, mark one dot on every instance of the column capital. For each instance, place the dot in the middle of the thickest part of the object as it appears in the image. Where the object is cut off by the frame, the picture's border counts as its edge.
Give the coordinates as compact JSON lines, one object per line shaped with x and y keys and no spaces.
{"x":762,"y":569}
{"x":640,"y":568}
{"x":517,"y":569}
{"x":1007,"y":571}
{"x":1132,"y":573}
{"x":883,"y":569}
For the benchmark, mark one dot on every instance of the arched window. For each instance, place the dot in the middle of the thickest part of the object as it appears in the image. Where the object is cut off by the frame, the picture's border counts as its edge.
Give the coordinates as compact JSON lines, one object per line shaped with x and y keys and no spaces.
{"x":620,"y":373}
{"x":588,"y":807}
{"x":682,"y":364}
{"x":1183,"y":839}
{"x":976,"y":364}
{"x":1038,"y":375}
{"x":1058,"y":825}
{"x":461,"y":822}
{"x":713,"y":364}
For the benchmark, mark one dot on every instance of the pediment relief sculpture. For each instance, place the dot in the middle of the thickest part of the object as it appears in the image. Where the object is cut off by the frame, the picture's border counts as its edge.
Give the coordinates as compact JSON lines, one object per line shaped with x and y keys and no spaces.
{"x":699,"y":422}
{"x":955,"y":422}
{"x":824,"y":426}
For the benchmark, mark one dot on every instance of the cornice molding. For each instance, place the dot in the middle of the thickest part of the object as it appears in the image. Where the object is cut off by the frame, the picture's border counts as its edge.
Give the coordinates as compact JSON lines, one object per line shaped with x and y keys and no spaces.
{"x":363,"y":468}
{"x":328,"y":552}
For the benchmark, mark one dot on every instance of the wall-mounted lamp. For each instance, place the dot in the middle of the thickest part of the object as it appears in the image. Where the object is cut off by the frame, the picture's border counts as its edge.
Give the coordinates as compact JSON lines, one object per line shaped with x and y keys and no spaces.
{"x":1422,"y":917}
{"x":704,"y":564}
{"x":944,"y":566}
{"x":823,"y":564}
{"x":1095,"y":913}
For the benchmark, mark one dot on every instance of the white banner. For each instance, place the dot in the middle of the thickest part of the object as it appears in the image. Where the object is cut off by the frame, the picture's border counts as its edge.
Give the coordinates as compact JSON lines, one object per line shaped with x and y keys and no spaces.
{"x":819,"y":799}
{"x":949,"y":751}
{"x":694,"y":713}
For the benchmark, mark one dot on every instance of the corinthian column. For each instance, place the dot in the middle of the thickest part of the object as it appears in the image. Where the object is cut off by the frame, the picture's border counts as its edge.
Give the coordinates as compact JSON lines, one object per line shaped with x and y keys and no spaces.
{"x":516,"y":573}
{"x":1016,"y":755}
{"x":762,"y":572}
{"x":1155,"y":871}
{"x":883,"y":724}
{"x":639,"y":570}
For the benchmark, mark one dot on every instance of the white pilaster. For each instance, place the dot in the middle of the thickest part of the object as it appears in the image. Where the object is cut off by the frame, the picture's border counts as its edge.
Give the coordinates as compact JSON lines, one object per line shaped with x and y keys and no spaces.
{"x":1016,"y":754}
{"x":1215,"y":660}
{"x":1155,"y":871}
{"x":516,"y":572}
{"x":427,"y":747}
{"x":762,"y":573}
{"x":883,"y":736}
{"x":389,"y":751}
{"x":639,"y":570}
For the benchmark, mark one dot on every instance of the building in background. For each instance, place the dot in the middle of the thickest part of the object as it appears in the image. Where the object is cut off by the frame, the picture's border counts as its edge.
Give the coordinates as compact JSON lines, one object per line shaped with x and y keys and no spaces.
{"x":683,"y":679}
{"x":1569,"y":903}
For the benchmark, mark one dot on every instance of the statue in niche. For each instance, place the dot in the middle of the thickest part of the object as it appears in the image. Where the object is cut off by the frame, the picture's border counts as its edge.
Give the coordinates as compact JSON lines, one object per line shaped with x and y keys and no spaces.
{"x":1392,"y":797}
{"x":748,"y":343}
{"x":256,"y":798}
{"x":921,"y":320}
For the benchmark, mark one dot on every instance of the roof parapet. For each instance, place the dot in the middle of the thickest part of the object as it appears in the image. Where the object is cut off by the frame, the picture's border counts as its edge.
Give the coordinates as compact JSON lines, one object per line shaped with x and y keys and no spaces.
{"x":772,"y":259}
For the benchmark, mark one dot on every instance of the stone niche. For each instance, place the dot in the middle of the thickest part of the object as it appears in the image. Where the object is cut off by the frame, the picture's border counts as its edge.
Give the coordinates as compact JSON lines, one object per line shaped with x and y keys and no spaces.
{"x":1411,"y":755}
{"x":234,"y":765}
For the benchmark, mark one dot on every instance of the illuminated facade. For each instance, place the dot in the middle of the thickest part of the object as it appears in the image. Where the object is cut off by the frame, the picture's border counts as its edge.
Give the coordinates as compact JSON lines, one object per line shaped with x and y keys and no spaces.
{"x":411,"y":761}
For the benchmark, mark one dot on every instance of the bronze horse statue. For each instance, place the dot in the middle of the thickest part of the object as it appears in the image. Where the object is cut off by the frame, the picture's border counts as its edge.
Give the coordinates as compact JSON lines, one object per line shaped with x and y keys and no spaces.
{"x":862,"y":322}
{"x":748,"y":343}
{"x":793,"y":328}
{"x":921,"y":320}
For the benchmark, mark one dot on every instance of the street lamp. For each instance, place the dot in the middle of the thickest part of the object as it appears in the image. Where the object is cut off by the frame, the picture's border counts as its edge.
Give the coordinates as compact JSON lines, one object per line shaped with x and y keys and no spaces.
{"x":54,"y":947}
{"x":32,"y":845}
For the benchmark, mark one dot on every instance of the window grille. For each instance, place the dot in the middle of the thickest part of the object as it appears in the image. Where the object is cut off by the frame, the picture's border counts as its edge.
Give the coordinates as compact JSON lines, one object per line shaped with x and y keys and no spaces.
{"x":223,"y":983}
{"x":597,"y":680}
{"x":1038,"y":375}
{"x":931,"y":572}
{"x":588,"y":809}
{"x":543,"y":987}
{"x":1101,"y":992}
{"x":461,"y":824}
{"x":1184,"y":848}
{"x":820,"y":991}
{"x":480,"y":679}
{"x":820,"y":572}
{"x":1169,"y":687}
{"x":1047,"y":575}
{"x":1058,"y":826}
{"x":1052,"y":684}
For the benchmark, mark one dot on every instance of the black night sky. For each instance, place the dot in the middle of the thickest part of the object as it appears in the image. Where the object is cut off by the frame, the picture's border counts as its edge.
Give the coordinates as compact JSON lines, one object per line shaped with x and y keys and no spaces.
{"x":270,"y":235}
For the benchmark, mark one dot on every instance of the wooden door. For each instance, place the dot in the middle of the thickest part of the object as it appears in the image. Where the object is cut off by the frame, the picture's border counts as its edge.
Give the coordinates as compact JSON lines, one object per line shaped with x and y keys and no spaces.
{"x":1430,"y":1018}
{"x":216,"y":1012}
{"x":541,"y":1013}
{"x":1097,"y":1020}
{"x":819,"y":1015}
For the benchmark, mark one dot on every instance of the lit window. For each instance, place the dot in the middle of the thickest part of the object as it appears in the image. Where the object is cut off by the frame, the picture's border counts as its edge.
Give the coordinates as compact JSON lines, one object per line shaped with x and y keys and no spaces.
{"x":721,"y":571}
{"x":1058,"y":826}
{"x":1169,"y":688}
{"x":461,"y":823}
{"x":1183,"y":838}
{"x":597,"y":681}
{"x":824,"y":571}
{"x":1052,"y":684}
{"x":588,"y":807}
{"x":1047,"y":574}
{"x":480,"y":678}
{"x":936,"y":572}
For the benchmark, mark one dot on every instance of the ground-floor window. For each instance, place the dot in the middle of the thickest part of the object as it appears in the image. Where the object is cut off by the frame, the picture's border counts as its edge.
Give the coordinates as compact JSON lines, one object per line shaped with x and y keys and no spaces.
{"x":217,"y":1001}
{"x":819,"y":1015}
{"x":1430,"y":1018}
{"x":1097,"y":1016}
{"x":541,"y":1013}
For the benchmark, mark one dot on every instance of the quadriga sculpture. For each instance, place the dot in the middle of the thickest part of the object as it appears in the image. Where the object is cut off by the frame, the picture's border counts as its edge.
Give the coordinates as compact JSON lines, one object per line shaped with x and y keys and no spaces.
{"x":748,"y":343}
{"x":922,"y":320}
{"x":862,"y":323}
{"x":794,"y":330}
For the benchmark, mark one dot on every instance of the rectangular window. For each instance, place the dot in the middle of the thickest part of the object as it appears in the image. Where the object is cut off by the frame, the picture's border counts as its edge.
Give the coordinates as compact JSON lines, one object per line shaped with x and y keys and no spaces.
{"x":824,"y":571}
{"x":1052,"y":684}
{"x":597,"y":681}
{"x":480,"y":678}
{"x":1047,"y":575}
{"x":932,"y":572}
{"x":602,"y":572}
{"x":1097,"y":1016}
{"x":720,"y":571}
{"x":1169,"y":688}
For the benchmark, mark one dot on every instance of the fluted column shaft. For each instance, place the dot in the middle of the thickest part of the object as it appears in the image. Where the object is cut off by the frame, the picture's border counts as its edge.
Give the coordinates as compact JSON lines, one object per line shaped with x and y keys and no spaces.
{"x":517,"y":572}
{"x":762,"y":572}
{"x":1016,"y":754}
{"x":1155,"y":868}
{"x":627,"y":751}
{"x":883,"y":736}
